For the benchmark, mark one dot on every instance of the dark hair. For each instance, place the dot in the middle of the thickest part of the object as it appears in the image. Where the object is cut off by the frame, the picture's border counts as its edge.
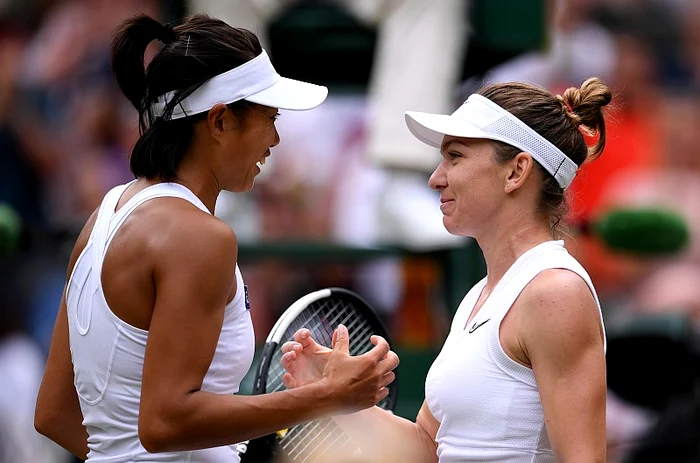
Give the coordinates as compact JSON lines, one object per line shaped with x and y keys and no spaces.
{"x":562,"y":120}
{"x":194,"y":50}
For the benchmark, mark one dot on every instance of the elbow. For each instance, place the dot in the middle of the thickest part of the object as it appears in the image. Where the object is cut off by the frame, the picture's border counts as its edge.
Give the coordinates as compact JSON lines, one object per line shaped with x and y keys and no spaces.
{"x":46,"y":423}
{"x":158,"y":435}
{"x":155,"y":438}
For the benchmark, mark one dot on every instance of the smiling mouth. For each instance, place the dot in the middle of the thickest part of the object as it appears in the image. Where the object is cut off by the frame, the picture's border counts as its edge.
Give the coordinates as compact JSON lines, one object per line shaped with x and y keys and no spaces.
{"x":261,"y":162}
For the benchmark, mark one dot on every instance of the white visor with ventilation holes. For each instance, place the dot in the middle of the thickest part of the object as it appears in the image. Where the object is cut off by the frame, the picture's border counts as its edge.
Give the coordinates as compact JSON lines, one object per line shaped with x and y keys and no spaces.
{"x":480,"y":117}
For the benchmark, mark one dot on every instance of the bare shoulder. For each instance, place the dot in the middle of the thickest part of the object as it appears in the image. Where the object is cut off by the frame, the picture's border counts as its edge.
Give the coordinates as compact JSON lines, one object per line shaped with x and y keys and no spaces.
{"x":561,"y":310}
{"x":180,"y":233}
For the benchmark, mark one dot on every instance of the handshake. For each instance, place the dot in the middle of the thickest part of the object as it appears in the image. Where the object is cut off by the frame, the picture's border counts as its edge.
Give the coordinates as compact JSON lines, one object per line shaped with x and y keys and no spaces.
{"x":357,"y":382}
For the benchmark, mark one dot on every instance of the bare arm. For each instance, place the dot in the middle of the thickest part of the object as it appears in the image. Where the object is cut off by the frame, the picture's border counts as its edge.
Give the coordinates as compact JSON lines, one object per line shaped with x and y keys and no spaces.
{"x":58,"y":415}
{"x":382,"y":436}
{"x":562,"y":337}
{"x":194,"y":278}
{"x":385,"y":437}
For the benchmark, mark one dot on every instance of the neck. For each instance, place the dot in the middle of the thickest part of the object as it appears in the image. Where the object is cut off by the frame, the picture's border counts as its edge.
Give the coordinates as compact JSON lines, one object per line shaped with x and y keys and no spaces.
{"x":199,"y":178}
{"x":503,"y":247}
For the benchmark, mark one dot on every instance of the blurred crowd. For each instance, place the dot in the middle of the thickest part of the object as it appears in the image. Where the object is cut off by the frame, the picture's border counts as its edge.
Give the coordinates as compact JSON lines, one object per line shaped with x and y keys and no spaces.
{"x":349,"y":174}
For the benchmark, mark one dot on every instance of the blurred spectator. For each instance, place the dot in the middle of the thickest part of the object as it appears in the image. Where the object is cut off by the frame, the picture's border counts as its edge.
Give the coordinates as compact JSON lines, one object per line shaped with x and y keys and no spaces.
{"x":21,"y":369}
{"x":69,"y":113}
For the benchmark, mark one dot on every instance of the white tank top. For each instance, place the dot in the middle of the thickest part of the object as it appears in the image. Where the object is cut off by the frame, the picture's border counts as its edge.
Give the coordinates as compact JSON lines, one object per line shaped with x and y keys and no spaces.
{"x":108,"y":353}
{"x":487,"y":404}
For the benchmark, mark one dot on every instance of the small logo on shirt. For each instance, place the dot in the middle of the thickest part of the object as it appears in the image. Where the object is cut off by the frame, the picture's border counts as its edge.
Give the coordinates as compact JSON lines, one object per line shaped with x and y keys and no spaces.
{"x":475,"y":326}
{"x":247,"y":301}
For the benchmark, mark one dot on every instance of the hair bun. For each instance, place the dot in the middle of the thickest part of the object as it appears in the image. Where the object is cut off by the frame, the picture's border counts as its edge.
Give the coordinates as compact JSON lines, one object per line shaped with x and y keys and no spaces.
{"x":584,"y":108}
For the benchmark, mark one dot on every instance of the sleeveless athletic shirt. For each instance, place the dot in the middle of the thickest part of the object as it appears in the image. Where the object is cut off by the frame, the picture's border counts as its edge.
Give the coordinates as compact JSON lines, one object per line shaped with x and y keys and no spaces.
{"x":108,"y":353}
{"x":487,"y":404}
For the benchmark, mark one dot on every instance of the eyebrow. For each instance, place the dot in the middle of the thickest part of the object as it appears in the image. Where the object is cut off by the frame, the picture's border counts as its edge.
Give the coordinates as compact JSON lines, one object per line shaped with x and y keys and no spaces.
{"x":445,"y":146}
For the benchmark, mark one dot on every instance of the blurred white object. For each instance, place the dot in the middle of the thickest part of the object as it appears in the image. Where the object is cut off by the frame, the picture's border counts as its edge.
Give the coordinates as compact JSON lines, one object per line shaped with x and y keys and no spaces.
{"x":21,"y":369}
{"x":574,"y":55}
{"x":240,"y":212}
{"x":411,"y":216}
{"x":626,"y":424}
{"x":418,"y":61}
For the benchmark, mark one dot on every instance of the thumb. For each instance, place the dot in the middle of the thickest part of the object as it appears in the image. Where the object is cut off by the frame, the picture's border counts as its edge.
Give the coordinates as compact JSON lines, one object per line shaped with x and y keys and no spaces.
{"x":342,"y":340}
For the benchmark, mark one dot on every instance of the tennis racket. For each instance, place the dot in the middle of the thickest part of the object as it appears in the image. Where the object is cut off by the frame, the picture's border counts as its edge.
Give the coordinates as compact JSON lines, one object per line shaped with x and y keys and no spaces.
{"x":321,"y":312}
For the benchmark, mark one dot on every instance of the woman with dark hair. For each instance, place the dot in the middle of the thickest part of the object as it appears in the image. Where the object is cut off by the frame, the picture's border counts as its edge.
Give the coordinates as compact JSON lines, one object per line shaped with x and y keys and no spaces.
{"x":521,"y":376}
{"x":154,"y":335}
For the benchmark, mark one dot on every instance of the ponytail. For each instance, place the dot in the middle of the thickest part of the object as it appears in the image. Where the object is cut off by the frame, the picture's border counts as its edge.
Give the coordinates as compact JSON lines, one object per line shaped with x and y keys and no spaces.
{"x":128,"y":51}
{"x":195,"y":50}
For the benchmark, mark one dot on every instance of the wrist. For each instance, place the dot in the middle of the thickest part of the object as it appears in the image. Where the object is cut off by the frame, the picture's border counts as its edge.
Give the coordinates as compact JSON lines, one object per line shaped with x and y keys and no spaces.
{"x":323,"y":397}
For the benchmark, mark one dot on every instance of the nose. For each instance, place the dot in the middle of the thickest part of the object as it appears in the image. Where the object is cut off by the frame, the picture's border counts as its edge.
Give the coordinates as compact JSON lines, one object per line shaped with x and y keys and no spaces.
{"x":276,"y":141}
{"x":438,"y":179}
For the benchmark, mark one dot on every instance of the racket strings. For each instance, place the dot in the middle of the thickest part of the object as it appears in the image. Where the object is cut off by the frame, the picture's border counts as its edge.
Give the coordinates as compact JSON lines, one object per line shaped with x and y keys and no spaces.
{"x":322,"y":331}
{"x":308,"y":442}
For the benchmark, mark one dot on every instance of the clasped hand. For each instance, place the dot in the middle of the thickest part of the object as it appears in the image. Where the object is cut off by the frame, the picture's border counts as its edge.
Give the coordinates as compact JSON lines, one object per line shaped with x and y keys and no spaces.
{"x":357,"y":382}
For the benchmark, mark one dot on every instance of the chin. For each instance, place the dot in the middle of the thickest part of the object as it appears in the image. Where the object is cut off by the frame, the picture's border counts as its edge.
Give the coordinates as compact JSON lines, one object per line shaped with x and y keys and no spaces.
{"x":241,"y":188}
{"x":455,"y":229}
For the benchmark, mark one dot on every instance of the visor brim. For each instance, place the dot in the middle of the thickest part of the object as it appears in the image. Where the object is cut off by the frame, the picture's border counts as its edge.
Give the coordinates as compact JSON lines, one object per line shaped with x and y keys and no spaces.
{"x":291,"y":94}
{"x":432,"y":128}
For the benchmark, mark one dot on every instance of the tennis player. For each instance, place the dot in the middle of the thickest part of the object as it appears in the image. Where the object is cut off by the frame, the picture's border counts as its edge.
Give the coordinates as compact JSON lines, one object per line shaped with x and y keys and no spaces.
{"x":154,"y":334}
{"x":521,"y":376}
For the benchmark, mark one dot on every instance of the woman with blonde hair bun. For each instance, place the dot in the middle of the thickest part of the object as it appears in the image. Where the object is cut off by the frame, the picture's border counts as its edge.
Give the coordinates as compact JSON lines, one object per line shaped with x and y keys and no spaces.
{"x":521,"y":376}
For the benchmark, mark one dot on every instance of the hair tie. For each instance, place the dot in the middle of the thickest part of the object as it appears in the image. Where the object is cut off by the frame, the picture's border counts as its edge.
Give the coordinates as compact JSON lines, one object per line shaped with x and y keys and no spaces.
{"x":569,"y":111}
{"x":167,"y":34}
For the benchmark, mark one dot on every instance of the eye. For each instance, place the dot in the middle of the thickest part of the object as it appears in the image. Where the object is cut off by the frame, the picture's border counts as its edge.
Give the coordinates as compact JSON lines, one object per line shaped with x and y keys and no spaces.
{"x":275,"y":116}
{"x":453,"y":155}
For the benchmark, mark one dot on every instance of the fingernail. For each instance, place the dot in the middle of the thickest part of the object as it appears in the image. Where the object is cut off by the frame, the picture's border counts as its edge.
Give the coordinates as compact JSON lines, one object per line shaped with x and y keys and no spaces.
{"x":342,"y":329}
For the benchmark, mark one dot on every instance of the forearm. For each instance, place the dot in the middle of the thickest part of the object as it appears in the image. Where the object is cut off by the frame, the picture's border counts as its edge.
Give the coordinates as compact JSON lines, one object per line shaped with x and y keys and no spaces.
{"x":67,"y":431}
{"x":385,"y":437}
{"x":211,"y":420}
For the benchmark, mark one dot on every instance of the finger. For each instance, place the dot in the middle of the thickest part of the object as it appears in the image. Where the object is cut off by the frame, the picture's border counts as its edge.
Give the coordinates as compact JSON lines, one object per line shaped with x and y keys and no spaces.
{"x":288,"y":360}
{"x":335,"y":336}
{"x":342,"y":340}
{"x":387,"y":379}
{"x":289,"y":381}
{"x":302,"y":335}
{"x":291,"y":345}
{"x":390,"y":362}
{"x":380,"y":350}
{"x":383,"y":393}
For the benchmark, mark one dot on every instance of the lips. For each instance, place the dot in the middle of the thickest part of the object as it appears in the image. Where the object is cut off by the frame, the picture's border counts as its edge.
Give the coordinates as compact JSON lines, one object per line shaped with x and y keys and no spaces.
{"x":445,"y":204}
{"x":261,"y":162}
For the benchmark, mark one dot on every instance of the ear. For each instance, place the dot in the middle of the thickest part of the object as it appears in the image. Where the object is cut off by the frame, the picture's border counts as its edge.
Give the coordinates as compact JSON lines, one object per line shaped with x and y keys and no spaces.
{"x":219,"y":120}
{"x":518,"y":170}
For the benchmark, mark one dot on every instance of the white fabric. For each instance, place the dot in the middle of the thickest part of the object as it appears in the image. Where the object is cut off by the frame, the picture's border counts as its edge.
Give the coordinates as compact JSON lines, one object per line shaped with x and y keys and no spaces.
{"x":417,"y":66}
{"x":480,"y":117}
{"x":255,"y":81}
{"x":487,"y":404}
{"x":108,"y":353}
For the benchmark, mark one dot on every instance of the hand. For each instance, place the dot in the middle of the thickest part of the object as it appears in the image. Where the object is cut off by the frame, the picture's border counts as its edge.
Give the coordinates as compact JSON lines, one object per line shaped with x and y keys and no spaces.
{"x":304,"y":359}
{"x":353,"y":383}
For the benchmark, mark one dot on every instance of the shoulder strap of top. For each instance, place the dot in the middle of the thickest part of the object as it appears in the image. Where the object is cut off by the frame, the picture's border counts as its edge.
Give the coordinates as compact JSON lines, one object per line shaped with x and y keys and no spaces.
{"x":554,"y":258}
{"x":159,"y":190}
{"x":101,"y":229}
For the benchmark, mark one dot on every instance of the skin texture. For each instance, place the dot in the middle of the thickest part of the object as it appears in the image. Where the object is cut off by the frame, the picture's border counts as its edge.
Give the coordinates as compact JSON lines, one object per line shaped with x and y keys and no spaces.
{"x":176,"y":283}
{"x":553,"y":327}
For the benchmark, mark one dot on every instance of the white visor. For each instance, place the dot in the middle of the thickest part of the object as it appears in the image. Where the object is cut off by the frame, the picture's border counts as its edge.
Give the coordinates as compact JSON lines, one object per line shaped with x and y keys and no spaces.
{"x":255,"y":81}
{"x":480,"y":117}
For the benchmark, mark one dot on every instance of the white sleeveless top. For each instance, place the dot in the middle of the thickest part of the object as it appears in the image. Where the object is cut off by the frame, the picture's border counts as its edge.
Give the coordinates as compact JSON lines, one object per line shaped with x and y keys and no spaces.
{"x":487,"y":404}
{"x":108,"y":353}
